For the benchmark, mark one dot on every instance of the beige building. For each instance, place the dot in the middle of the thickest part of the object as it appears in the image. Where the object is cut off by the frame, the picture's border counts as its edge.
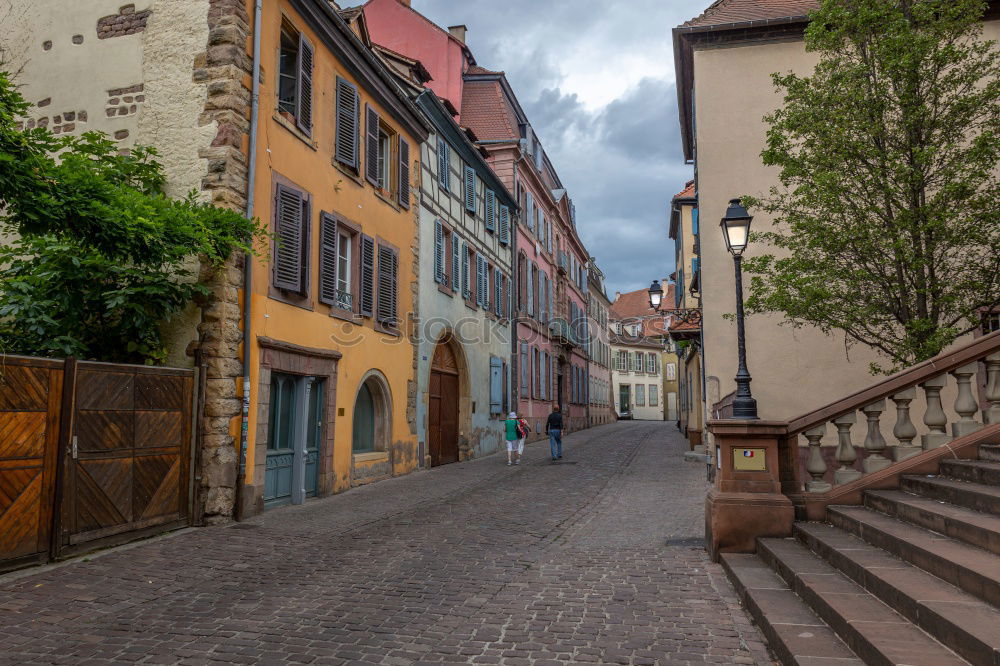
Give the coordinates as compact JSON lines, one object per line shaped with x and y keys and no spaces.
{"x":685,"y":329}
{"x":600,"y":407}
{"x":724,"y":61}
{"x":637,"y":365}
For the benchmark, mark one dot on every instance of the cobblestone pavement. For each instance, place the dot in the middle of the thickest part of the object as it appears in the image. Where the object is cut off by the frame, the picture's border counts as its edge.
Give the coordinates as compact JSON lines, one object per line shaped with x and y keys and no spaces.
{"x":592,"y":560}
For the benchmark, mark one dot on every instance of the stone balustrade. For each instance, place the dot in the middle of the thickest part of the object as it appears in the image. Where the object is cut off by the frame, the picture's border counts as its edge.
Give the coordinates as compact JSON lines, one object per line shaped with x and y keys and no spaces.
{"x":967,"y":417}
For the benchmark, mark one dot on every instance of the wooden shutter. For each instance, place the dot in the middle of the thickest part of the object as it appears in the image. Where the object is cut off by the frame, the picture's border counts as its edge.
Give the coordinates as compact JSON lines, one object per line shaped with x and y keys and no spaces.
{"x":496,"y":385}
{"x":346,"y":142}
{"x":404,"y":173}
{"x":444,"y":164}
{"x":525,"y":370}
{"x":387,"y":280}
{"x":328,"y":239}
{"x":289,"y":271}
{"x":544,"y":376}
{"x":529,"y":212}
{"x":371,"y":145}
{"x":470,"y":189}
{"x":456,"y":262}
{"x":366,"y":290}
{"x":504,"y":224}
{"x":497,"y":292}
{"x":522,"y":282}
{"x":530,"y":287}
{"x":438,"y":252}
{"x":304,"y":112}
{"x":491,"y":210}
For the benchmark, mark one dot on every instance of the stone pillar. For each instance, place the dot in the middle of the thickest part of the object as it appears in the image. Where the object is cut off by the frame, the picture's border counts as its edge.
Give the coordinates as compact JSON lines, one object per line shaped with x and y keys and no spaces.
{"x":746,"y":502}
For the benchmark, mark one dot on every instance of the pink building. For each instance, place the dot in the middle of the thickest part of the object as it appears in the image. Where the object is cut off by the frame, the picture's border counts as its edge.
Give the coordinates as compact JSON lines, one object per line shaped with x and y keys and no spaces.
{"x":549,"y":354}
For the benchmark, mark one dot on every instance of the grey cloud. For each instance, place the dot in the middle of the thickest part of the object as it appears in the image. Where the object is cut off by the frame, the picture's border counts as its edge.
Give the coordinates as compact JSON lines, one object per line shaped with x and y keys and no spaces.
{"x":643,"y":122}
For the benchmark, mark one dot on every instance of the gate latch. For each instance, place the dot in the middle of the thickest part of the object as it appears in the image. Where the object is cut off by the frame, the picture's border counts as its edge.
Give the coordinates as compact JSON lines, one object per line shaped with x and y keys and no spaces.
{"x":74,"y":448}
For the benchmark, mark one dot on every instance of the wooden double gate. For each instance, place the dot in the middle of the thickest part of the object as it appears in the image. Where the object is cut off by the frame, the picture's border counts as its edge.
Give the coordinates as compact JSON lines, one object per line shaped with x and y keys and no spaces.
{"x":90,"y":453}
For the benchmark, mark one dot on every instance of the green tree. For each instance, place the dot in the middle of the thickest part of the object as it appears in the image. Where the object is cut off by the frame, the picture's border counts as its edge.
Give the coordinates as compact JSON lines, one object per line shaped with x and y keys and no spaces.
{"x":887,"y":219}
{"x":99,"y":257}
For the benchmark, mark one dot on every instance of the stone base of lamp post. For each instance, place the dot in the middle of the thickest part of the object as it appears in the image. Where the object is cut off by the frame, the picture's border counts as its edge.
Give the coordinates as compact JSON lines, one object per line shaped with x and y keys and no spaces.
{"x":747,"y":502}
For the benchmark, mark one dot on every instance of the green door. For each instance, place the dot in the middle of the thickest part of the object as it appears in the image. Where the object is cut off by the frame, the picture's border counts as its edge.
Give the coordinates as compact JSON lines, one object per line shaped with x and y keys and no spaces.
{"x":293,"y":438}
{"x":364,"y":421}
{"x":624,"y":398}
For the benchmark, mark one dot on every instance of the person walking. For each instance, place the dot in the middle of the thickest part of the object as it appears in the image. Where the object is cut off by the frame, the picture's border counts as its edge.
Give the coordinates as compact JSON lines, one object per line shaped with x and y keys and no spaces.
{"x":554,"y":428}
{"x":516,"y":430}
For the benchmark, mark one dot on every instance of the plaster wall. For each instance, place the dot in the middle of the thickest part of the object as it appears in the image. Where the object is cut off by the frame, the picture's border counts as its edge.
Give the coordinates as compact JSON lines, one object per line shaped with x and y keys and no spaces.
{"x":632,"y":379}
{"x":136,"y":88}
{"x":479,"y":335}
{"x":601,"y":393}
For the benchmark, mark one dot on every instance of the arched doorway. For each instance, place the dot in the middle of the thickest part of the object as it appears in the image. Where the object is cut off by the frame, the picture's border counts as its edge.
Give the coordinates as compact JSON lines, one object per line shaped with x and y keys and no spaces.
{"x":371,"y":416}
{"x":443,"y":395}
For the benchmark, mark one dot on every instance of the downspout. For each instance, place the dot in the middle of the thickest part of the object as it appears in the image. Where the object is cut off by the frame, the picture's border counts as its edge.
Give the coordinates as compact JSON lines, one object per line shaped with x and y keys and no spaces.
{"x":248,"y":264}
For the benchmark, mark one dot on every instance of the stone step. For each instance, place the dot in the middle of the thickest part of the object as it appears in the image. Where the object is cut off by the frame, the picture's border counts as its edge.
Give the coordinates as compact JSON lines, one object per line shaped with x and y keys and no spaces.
{"x":972,"y":569}
{"x":957,"y":619}
{"x":974,"y":496}
{"x":989,"y":452}
{"x":972,"y":527}
{"x":793,"y":632}
{"x":871,"y":628}
{"x":977,"y":471}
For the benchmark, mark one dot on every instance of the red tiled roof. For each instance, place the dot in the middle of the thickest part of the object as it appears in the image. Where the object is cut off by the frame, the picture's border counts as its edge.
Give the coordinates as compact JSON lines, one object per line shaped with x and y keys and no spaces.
{"x":635,"y":304}
{"x":679,"y":325}
{"x":687,"y":193}
{"x":723,"y":12}
{"x":486,"y":112}
{"x":476,"y":69}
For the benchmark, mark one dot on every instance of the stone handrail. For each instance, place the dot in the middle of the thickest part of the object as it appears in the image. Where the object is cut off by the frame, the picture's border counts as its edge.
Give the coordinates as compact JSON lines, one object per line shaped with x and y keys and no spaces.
{"x":930,"y":377}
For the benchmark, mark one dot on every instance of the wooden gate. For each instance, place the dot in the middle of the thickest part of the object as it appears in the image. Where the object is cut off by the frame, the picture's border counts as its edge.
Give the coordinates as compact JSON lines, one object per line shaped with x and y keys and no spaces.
{"x":108,"y":444}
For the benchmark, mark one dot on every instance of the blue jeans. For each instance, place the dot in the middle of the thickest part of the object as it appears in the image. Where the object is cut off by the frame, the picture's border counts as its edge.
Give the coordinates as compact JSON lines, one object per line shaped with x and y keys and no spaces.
{"x":555,"y":443}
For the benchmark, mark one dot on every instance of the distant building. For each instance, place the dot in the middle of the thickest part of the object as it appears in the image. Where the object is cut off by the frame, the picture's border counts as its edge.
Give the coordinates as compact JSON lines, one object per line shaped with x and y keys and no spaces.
{"x":600,"y":403}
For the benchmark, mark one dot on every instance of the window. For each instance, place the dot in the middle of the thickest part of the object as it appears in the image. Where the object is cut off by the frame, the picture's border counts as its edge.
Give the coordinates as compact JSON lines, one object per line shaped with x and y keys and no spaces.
{"x":444,"y":165}
{"x":496,"y":385}
{"x":538,"y":374}
{"x":653,"y":396}
{"x":640,"y":395}
{"x":291,"y":238}
{"x":651,"y":364}
{"x":335,"y":264}
{"x":671,"y":372}
{"x":991,"y":322}
{"x":384,"y":160}
{"x":525,"y":369}
{"x":295,"y":68}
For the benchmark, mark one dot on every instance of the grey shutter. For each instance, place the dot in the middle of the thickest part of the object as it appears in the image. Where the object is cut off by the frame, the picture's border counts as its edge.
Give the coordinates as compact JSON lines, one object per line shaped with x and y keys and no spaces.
{"x":551,"y":297}
{"x":404,"y":173}
{"x":438,"y":252}
{"x":525,"y":369}
{"x":531,"y":296}
{"x":387,"y":266}
{"x":289,"y":272}
{"x":371,"y":145}
{"x":303,"y":116}
{"x":366,"y":291}
{"x":497,"y":292}
{"x":496,"y":385}
{"x":465,"y":270}
{"x":456,"y":262}
{"x":328,"y":239}
{"x":504,"y":224}
{"x":491,"y":210}
{"x":529,"y":211}
{"x":444,"y":165}
{"x":470,"y":189}
{"x":346,"y":148}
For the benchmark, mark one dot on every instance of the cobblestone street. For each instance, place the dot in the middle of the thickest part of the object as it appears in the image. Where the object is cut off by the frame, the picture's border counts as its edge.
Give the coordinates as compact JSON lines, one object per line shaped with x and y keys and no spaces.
{"x":596,"y":559}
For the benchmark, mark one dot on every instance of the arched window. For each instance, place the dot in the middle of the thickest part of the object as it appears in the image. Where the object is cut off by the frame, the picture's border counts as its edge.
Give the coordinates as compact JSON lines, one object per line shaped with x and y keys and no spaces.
{"x":372,"y":416}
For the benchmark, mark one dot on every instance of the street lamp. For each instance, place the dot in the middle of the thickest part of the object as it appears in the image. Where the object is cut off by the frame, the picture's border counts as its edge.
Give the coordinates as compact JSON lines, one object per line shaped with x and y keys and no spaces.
{"x":736,"y":229}
{"x":655,"y":295}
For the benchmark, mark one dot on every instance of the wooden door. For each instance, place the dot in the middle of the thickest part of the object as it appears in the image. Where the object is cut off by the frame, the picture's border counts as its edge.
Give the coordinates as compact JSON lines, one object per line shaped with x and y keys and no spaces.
{"x":129,"y":463}
{"x":280,"y":437}
{"x":443,"y":401}
{"x":30,"y":393}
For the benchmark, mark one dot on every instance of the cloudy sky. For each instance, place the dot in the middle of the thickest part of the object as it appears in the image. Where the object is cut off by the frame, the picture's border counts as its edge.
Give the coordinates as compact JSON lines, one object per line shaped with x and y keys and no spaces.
{"x":596,"y":79}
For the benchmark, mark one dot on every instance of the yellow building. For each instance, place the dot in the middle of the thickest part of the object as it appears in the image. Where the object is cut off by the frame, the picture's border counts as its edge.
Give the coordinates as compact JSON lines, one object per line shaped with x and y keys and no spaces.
{"x":332,"y":304}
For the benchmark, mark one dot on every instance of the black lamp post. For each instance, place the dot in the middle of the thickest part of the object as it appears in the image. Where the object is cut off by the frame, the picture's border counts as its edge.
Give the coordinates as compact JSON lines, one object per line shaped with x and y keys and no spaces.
{"x":655,"y":295}
{"x":736,"y":229}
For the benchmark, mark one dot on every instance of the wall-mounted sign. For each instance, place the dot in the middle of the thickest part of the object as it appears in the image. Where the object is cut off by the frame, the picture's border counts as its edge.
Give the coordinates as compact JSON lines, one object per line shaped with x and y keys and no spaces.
{"x":749,"y":460}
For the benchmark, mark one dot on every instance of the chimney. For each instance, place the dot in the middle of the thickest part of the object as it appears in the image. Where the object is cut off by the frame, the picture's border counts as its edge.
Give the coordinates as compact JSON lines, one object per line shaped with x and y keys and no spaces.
{"x":618,"y":295}
{"x":457,"y":31}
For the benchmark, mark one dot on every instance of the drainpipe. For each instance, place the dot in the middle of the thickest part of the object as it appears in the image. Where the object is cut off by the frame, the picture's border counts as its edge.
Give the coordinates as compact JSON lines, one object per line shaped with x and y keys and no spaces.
{"x":248,"y":264}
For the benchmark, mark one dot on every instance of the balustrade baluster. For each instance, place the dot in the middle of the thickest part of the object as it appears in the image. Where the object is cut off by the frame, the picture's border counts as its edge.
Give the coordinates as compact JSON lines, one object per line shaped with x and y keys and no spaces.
{"x":935,"y":418}
{"x":816,"y":466}
{"x":904,"y":431}
{"x":846,"y":455}
{"x":992,"y":413}
{"x":965,"y":404}
{"x":875,"y":443}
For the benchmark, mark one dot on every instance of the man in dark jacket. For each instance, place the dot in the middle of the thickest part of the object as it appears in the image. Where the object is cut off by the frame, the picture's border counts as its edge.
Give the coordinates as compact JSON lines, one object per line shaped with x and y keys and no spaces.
{"x":554,"y":428}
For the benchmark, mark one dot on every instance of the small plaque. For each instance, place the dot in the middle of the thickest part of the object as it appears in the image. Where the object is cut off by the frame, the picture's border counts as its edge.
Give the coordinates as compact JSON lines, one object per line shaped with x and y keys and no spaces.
{"x":749,"y":460}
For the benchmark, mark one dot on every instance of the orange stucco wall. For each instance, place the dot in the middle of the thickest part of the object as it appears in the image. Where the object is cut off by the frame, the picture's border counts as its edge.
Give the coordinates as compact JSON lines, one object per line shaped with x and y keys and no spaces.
{"x":307,"y":162}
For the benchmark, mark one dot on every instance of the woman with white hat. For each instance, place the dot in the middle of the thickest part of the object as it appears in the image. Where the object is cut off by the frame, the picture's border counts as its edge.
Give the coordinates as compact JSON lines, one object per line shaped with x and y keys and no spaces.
{"x":516,"y":431}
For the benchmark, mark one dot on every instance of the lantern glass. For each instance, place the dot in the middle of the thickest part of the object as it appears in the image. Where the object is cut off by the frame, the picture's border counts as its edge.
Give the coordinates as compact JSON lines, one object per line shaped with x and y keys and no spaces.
{"x":655,"y":295}
{"x":736,"y":227}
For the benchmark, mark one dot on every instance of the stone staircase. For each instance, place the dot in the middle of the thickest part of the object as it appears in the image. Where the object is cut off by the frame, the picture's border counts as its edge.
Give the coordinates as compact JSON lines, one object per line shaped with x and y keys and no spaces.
{"x":910,"y":576}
